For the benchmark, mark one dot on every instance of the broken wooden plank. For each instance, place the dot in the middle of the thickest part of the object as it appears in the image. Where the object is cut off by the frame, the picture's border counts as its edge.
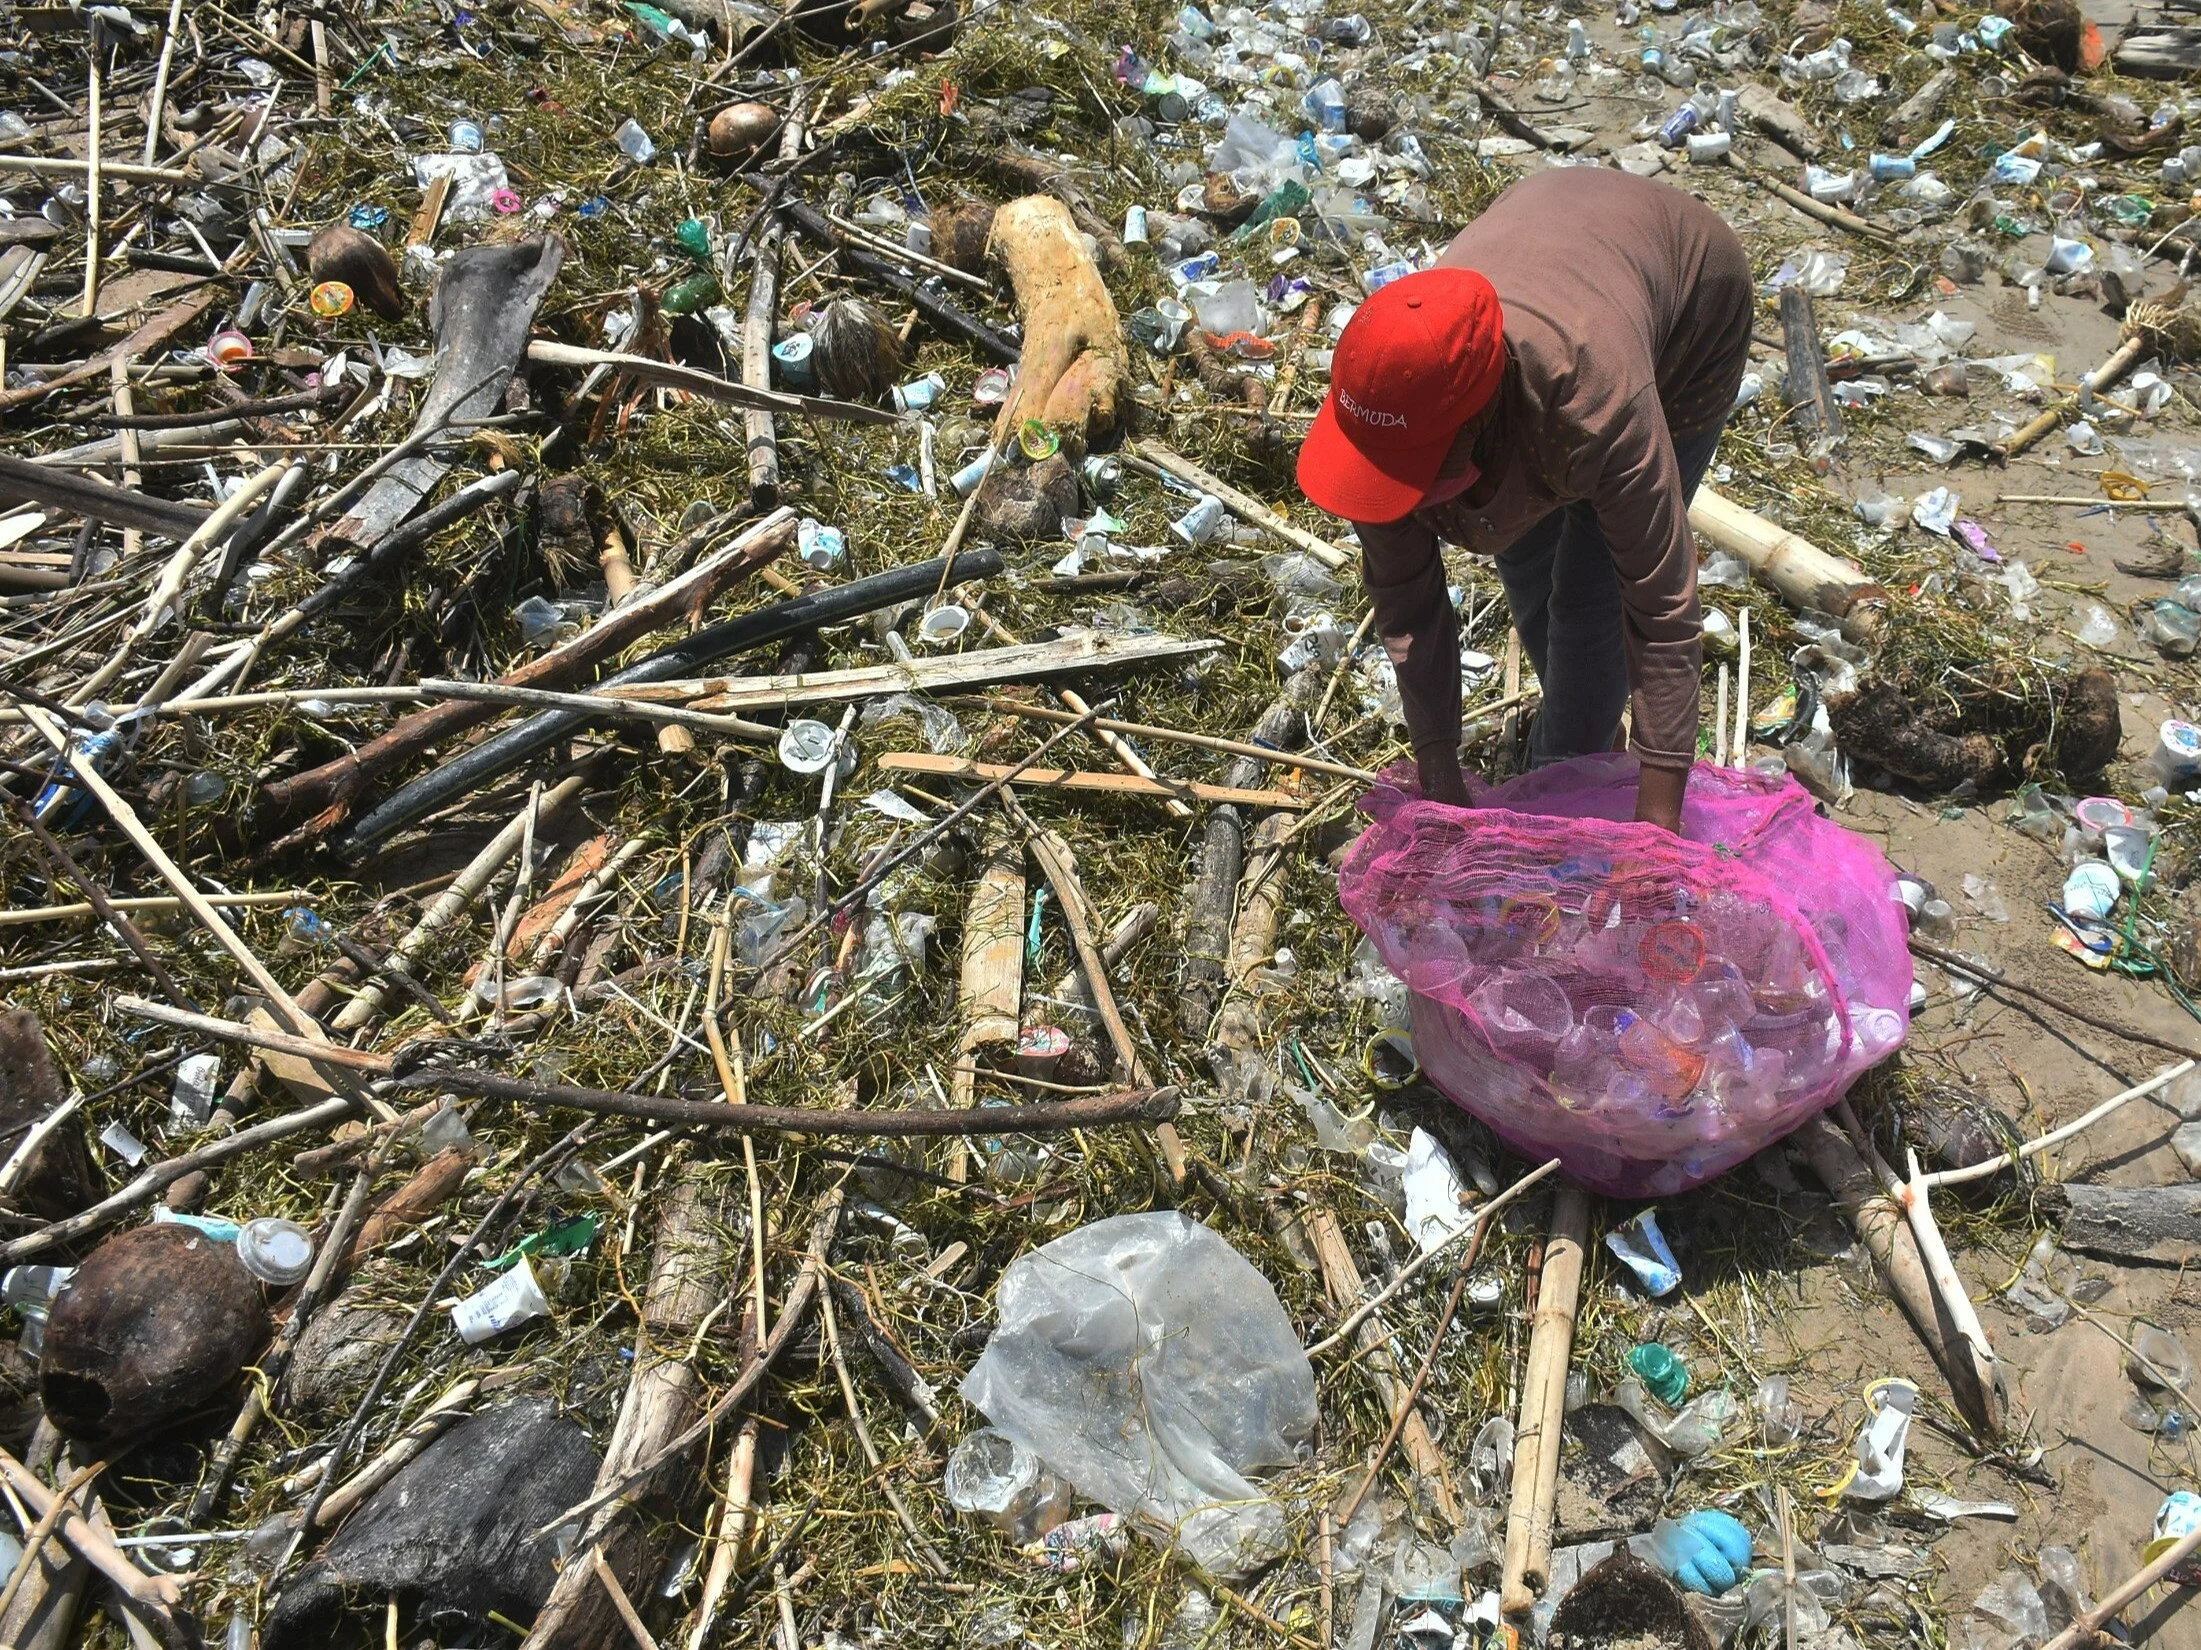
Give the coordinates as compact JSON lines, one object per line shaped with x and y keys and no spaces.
{"x":1056,"y":779}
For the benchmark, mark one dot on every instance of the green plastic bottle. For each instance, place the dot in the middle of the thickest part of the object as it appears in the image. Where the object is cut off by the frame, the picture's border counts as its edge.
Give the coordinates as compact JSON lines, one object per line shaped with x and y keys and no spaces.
{"x":694,"y":238}
{"x":694,"y":293}
{"x":1664,"y":1373}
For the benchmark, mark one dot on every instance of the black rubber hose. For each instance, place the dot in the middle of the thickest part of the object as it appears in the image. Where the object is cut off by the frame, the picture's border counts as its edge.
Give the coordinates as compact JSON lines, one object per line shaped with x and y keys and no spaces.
{"x":501,"y":754}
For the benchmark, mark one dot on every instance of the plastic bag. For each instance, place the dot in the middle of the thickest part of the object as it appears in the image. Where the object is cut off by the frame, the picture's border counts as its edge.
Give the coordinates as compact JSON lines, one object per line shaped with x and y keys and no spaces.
{"x":1254,"y":155}
{"x":1649,"y":1009}
{"x":1145,"y":1360}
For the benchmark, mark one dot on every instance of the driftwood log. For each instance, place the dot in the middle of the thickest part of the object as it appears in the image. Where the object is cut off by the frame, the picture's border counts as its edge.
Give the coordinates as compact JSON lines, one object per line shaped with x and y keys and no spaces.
{"x":635,"y":1532}
{"x":454,"y":1534}
{"x":1072,"y":375}
{"x":1810,"y":396}
{"x":1208,"y":938}
{"x":1888,"y":1239}
{"x":2159,"y":1225}
{"x":990,"y":996}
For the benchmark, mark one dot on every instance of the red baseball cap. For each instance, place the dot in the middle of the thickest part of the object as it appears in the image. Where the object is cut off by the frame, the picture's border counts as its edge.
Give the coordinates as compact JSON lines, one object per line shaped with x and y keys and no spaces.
{"x":1418,"y":360}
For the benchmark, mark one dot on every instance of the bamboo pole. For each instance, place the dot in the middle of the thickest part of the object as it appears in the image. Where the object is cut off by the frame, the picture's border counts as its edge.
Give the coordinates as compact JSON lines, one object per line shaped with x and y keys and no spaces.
{"x":2085,"y":1630}
{"x":1543,"y":1404}
{"x":1803,"y":574}
{"x":157,"y":107}
{"x":2119,"y":363}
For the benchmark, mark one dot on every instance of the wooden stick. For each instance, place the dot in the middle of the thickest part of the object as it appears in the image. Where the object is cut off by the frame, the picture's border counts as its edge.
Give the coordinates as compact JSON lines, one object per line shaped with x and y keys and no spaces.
{"x":465,"y":888}
{"x":762,"y":315}
{"x":1243,"y":505}
{"x":61,"y":166}
{"x":1955,"y":1300}
{"x":1124,"y":1106}
{"x":1739,"y":743}
{"x":709,"y":385}
{"x":618,"y":1596}
{"x":88,"y":776}
{"x":1543,"y":1404}
{"x":34,"y":1542}
{"x":1018,"y":662}
{"x":1809,"y":394}
{"x":1720,"y":732}
{"x":154,"y":903}
{"x":1197,"y":741}
{"x":2055,"y":1137}
{"x":1413,"y":1268}
{"x":1057,"y":779}
{"x":169,"y":586}
{"x":91,"y":168}
{"x":1421,"y":1375}
{"x":663,"y":1390}
{"x":601,"y":705}
{"x":799,"y":1296}
{"x":2119,"y":363}
{"x":2084,"y":1631}
{"x":916,"y":260}
{"x":159,"y":1595}
{"x":1341,"y":1279}
{"x":1861,"y":1193}
{"x":152,"y":1181}
{"x":156,"y":109}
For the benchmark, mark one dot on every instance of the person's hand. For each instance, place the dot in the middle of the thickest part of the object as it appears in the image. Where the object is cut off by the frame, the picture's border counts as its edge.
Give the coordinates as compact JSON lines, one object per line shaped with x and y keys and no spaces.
{"x":1658,"y":796}
{"x":1705,"y":1552}
{"x":1441,"y":779}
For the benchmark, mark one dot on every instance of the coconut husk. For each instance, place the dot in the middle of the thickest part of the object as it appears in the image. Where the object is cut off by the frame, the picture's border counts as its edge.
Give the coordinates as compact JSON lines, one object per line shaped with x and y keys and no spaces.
{"x":341,"y":253}
{"x":157,"y":1324}
{"x":855,"y":350}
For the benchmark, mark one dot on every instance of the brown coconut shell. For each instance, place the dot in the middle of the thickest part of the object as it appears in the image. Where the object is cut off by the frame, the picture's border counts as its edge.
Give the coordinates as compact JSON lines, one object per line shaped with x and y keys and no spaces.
{"x":739,"y":130}
{"x":855,"y":350}
{"x":157,"y":1324}
{"x":959,"y":235}
{"x":58,"y":1180}
{"x":341,"y":253}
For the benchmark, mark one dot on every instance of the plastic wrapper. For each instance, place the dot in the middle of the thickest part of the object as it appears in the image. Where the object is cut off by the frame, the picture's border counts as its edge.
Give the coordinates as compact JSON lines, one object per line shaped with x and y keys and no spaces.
{"x":1650,"y":1009}
{"x":1145,"y":1360}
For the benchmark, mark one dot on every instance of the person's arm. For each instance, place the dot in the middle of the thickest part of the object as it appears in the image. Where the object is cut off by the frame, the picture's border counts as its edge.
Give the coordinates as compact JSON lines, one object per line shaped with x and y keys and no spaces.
{"x":1404,"y":575}
{"x":1645,"y":519}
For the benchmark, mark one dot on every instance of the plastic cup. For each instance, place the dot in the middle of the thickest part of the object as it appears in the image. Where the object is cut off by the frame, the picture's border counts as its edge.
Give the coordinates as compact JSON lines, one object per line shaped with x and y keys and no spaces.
{"x":943,"y":624}
{"x":276,"y":1251}
{"x":1039,"y":1049}
{"x":809,"y":748}
{"x":514,"y":1299}
{"x":791,"y":360}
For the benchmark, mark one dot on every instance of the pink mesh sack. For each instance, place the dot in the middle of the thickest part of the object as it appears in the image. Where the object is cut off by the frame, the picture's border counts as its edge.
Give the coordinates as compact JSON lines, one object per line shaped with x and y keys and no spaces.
{"x":1649,"y":1009}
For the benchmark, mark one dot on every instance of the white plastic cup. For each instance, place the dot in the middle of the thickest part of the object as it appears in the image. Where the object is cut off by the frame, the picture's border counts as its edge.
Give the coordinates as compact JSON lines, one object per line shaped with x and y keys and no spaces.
{"x":943,"y":624}
{"x":2178,"y":752}
{"x":809,"y":748}
{"x":514,"y":1299}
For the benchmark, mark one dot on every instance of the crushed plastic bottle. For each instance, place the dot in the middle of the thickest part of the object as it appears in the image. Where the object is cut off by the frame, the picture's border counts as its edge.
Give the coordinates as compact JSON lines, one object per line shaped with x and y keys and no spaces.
{"x":1002,"y":1484}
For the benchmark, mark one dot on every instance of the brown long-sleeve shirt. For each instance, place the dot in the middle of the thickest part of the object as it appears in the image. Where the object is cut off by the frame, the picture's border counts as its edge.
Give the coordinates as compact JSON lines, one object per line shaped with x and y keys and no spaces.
{"x":1627,"y":324}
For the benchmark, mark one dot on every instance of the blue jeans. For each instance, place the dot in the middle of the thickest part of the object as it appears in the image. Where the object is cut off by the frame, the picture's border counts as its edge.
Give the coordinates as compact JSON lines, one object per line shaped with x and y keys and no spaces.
{"x":1564,"y":595}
